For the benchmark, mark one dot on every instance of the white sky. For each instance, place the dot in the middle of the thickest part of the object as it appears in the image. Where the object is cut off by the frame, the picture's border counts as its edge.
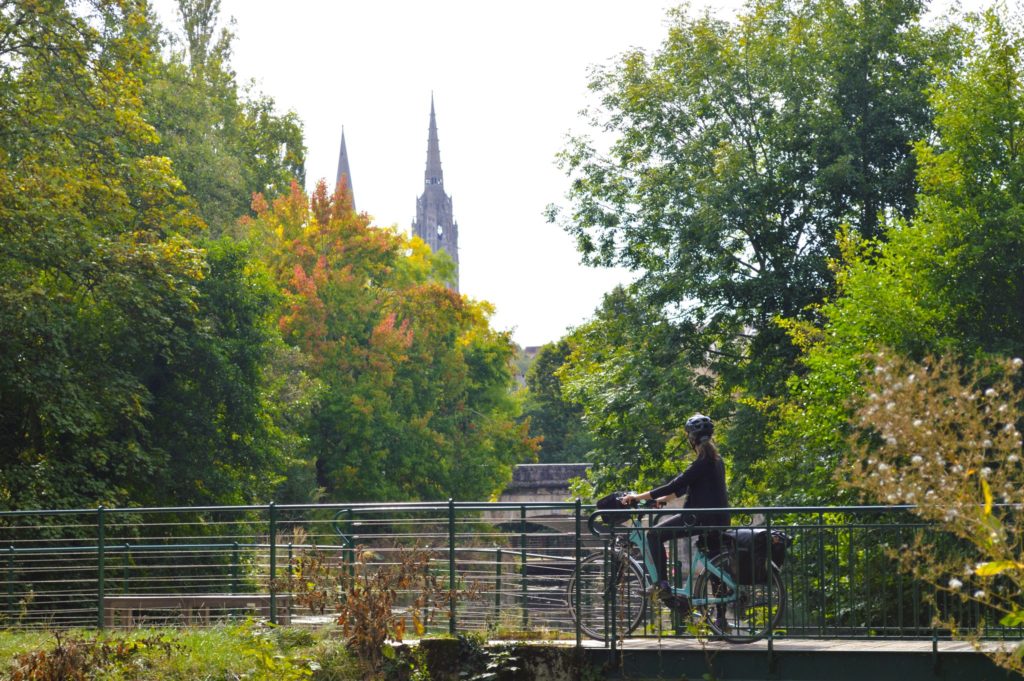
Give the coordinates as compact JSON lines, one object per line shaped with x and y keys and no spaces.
{"x":508,"y":79}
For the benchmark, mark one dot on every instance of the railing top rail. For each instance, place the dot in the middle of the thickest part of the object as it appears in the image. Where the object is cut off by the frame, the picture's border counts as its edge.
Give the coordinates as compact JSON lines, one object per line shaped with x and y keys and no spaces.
{"x":464,"y":506}
{"x":596,"y":526}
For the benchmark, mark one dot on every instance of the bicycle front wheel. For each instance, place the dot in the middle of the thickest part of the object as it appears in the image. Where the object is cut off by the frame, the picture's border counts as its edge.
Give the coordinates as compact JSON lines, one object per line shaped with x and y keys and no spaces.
{"x":746,"y":610}
{"x":611,"y":591}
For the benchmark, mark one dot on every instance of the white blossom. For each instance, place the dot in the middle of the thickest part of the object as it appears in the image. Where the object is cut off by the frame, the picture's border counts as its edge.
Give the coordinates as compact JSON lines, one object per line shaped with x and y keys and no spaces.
{"x":991,"y":392}
{"x":918,"y":423}
{"x":979,"y":594}
{"x":986,"y":471}
{"x":1017,"y":362}
{"x":916,"y":459}
{"x":955,"y":583}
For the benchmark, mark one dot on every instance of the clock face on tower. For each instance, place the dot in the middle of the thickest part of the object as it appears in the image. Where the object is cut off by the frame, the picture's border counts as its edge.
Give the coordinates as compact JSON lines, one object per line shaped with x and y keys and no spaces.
{"x":440,"y":231}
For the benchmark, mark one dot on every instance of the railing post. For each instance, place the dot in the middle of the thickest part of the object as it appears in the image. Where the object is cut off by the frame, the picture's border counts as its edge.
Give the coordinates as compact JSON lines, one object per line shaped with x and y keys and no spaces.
{"x":272,"y":511}
{"x":821,"y":574}
{"x":100,"y":560}
{"x":576,"y":596}
{"x":771,"y":581}
{"x":10,"y":580}
{"x":234,"y":568}
{"x":522,"y":566}
{"x":291,"y":575}
{"x":451,"y":566}
{"x":611,"y":589}
{"x":127,"y":560}
{"x":497,"y":586}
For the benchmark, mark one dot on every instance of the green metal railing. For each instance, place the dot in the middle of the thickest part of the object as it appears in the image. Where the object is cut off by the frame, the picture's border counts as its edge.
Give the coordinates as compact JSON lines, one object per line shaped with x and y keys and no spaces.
{"x":510,"y":563}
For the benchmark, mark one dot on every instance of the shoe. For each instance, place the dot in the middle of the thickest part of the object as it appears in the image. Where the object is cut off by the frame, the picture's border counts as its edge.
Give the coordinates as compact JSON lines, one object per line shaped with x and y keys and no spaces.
{"x":661,"y":590}
{"x":679,"y":604}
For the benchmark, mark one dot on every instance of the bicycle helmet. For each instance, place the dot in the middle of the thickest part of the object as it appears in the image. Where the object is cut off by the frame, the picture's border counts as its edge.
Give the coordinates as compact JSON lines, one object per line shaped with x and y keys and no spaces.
{"x":699,"y":428}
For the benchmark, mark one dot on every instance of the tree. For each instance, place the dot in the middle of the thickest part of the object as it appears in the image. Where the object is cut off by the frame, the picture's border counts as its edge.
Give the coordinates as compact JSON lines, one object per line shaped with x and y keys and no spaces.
{"x":557,"y":421}
{"x":946,"y":282}
{"x":636,"y":388}
{"x":416,"y":399}
{"x":225,"y":144}
{"x":127,"y":353}
{"x":738,"y":150}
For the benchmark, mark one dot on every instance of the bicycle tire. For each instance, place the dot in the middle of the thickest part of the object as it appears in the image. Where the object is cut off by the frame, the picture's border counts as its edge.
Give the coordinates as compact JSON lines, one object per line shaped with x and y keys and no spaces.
{"x":594,"y":581}
{"x":746,"y":619}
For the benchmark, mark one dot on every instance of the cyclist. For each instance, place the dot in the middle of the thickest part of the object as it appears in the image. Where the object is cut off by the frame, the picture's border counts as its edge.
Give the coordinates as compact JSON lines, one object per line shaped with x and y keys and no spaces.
{"x":703,"y":482}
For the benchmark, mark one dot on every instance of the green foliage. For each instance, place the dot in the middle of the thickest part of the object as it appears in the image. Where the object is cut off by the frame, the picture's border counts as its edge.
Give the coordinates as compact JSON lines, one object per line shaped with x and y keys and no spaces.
{"x":416,"y":399}
{"x":74,"y":658}
{"x":738,"y":149}
{"x":946,"y":281}
{"x":98,"y":269}
{"x":635,"y":388}
{"x":557,"y":421}
{"x":248,"y":650}
{"x":225,"y":144}
{"x":146,"y":357}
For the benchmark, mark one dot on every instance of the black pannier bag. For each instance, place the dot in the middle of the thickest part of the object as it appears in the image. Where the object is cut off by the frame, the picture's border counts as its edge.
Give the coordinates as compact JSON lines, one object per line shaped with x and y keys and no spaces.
{"x":612,"y":502}
{"x":749,"y":549}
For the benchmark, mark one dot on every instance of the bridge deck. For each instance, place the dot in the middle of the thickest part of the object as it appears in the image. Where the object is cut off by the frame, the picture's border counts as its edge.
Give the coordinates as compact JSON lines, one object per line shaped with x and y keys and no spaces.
{"x":799,"y":660}
{"x":647,"y":659}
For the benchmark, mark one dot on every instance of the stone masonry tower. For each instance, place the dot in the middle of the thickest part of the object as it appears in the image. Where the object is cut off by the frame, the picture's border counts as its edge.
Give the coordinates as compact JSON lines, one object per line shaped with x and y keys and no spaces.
{"x":434,"y":221}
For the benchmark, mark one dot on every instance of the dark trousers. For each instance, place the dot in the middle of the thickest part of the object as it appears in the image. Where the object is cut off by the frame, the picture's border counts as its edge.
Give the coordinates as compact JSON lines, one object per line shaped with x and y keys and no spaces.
{"x":675,"y":527}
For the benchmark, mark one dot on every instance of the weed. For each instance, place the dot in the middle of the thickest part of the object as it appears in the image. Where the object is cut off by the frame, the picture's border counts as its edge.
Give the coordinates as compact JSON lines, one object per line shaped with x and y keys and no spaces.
{"x":75,"y":658}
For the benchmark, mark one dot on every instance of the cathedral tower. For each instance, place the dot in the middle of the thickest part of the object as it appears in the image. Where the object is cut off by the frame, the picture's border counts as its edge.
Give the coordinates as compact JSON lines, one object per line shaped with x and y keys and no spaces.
{"x":343,"y":171}
{"x":434,"y":221}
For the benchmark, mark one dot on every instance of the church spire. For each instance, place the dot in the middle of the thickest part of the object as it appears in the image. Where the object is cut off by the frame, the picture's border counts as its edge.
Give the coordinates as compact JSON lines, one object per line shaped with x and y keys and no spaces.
{"x":343,"y":171}
{"x":434,"y":222}
{"x":433,"y":175}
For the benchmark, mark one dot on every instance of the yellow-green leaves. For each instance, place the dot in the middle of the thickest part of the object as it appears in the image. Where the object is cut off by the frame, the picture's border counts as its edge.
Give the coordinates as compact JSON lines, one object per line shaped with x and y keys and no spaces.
{"x":996,"y":567}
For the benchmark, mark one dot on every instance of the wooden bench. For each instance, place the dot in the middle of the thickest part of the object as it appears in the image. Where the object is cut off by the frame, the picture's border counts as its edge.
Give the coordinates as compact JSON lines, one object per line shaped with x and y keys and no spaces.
{"x":195,"y":608}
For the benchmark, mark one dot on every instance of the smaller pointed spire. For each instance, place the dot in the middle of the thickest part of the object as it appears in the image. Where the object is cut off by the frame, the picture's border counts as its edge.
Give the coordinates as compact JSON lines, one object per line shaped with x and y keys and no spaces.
{"x":343,"y":171}
{"x":433,"y":174}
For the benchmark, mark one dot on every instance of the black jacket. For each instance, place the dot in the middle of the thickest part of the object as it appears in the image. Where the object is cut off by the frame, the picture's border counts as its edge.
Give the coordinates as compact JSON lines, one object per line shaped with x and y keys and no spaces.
{"x":704,"y":483}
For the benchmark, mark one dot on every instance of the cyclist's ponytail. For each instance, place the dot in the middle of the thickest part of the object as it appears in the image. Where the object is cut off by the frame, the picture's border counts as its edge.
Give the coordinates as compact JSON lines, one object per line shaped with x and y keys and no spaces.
{"x":707,"y":449}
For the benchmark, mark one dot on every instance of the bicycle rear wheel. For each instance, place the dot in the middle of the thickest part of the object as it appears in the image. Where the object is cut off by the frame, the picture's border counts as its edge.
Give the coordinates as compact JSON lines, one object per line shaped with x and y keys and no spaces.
{"x":600,"y":578}
{"x":749,"y":608}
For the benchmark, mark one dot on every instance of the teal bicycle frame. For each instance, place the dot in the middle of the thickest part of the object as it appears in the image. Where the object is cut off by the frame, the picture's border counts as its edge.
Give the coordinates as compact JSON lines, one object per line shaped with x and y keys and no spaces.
{"x":699,"y":562}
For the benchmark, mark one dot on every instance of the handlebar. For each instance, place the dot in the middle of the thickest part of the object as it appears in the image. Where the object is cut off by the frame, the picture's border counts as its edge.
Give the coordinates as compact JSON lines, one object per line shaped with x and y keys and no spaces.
{"x":600,"y":516}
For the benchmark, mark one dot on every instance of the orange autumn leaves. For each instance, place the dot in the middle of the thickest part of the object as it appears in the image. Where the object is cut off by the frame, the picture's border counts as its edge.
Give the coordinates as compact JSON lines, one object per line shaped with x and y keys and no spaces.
{"x":416,"y":400}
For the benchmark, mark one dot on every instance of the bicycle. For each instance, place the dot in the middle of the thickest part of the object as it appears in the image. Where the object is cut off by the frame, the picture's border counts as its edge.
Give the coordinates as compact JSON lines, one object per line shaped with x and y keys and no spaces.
{"x":614,"y":585}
